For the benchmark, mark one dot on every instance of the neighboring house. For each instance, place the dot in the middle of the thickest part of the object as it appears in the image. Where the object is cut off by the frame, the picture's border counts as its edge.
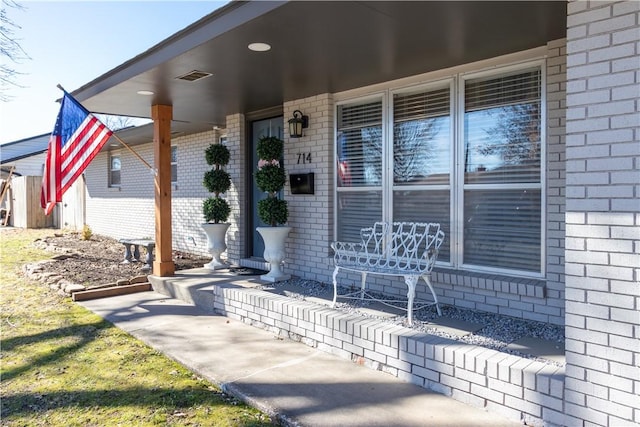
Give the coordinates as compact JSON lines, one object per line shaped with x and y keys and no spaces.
{"x":513,"y":124}
{"x":27,"y":156}
{"x":26,"y":159}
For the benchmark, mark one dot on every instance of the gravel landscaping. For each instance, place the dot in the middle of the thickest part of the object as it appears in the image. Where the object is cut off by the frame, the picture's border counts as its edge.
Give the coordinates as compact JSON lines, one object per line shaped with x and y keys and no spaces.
{"x":497,"y":333}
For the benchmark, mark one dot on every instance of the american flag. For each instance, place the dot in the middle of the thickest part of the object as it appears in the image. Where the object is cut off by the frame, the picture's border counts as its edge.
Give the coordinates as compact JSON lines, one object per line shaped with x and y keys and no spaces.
{"x":77,"y":138}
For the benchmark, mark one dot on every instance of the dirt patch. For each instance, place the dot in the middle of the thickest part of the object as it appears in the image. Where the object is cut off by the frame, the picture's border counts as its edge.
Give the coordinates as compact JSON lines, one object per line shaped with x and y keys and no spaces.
{"x":99,"y":260}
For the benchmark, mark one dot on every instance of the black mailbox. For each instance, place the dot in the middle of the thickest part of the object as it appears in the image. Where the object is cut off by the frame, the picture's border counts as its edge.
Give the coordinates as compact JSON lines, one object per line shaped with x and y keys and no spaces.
{"x":301,"y":183}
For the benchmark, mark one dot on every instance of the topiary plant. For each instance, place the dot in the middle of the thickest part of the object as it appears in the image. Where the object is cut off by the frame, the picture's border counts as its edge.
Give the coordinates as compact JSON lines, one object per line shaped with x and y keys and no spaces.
{"x":270,"y":178}
{"x":216,"y":181}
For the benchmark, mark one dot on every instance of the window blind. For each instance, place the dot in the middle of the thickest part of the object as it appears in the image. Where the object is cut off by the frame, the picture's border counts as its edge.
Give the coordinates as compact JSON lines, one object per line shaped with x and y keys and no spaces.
{"x":502,"y":172}
{"x":421,"y":137}
{"x":359,"y":168}
{"x":425,"y":206}
{"x":502,"y":229}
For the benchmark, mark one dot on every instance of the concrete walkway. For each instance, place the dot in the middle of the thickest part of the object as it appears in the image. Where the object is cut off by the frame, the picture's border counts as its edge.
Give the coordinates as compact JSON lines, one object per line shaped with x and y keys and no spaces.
{"x":290,"y":381}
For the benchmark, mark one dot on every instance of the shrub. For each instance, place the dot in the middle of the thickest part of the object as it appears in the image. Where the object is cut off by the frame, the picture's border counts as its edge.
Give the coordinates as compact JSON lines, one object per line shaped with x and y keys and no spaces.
{"x":86,"y":233}
{"x":215,"y":209}
{"x":270,"y":178}
{"x":216,"y":181}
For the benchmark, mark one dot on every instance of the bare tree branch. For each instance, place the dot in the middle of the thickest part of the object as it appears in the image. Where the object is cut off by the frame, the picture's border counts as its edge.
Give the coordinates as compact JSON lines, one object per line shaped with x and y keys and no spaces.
{"x":10,"y":49}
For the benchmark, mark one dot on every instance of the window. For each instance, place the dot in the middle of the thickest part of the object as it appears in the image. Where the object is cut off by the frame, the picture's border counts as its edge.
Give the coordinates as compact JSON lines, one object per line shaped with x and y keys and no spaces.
{"x":475,"y":167}
{"x":174,"y":164}
{"x":502,"y":165}
{"x":359,"y":166}
{"x":422,"y":159}
{"x":115,"y":167}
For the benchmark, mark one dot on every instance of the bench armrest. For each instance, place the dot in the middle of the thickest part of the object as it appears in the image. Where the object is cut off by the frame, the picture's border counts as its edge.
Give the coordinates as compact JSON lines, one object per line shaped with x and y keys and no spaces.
{"x":347,"y":252}
{"x":347,"y":247}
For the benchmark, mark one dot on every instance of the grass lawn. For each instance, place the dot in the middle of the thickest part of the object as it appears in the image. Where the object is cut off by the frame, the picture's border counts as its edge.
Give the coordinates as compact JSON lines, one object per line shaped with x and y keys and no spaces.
{"x":62,"y":365}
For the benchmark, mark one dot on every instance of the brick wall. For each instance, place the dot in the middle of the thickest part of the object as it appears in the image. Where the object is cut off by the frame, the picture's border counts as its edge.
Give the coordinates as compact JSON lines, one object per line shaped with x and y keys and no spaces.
{"x":125,"y":211}
{"x":189,"y":193}
{"x":603,"y":214}
{"x":236,"y":142}
{"x":556,"y":181}
{"x":129,"y":211}
{"x":311,"y":216}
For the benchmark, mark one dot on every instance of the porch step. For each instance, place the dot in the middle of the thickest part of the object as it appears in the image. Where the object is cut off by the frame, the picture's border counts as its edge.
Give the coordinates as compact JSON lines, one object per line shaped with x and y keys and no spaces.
{"x":517,"y":388}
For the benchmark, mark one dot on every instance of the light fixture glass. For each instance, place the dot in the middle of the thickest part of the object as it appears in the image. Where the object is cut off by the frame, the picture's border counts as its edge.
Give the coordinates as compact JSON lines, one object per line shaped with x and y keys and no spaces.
{"x":298,"y":122}
{"x":259,"y":47}
{"x":145,"y":92}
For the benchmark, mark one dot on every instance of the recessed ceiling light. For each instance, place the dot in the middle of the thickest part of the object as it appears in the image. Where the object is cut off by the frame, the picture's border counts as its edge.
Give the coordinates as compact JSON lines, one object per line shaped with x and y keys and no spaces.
{"x":259,"y":47}
{"x":145,"y":92}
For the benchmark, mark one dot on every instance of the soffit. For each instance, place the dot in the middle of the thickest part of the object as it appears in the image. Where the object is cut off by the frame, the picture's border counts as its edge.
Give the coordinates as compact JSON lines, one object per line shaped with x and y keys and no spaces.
{"x":317,"y":47}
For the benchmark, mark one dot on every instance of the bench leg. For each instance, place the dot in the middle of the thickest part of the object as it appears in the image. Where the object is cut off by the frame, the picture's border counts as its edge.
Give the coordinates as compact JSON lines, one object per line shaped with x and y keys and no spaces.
{"x":435,"y":298}
{"x":127,"y":253}
{"x":411,"y":282}
{"x":335,"y":286}
{"x":148,"y":261}
{"x":136,"y":253}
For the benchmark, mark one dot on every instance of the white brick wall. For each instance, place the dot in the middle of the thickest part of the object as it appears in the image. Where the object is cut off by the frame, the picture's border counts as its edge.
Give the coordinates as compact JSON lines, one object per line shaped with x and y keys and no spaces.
{"x":236,"y":142}
{"x":311,"y":216}
{"x":603,"y":219}
{"x":129,"y":211}
{"x":555,"y":244}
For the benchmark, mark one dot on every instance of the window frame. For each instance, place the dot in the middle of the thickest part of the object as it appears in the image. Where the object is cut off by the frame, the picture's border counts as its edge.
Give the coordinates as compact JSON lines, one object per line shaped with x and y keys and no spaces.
{"x":112,"y":155}
{"x":174,"y":147}
{"x":457,"y":185}
{"x":462,"y":186}
{"x":373,"y":97}
{"x":433,"y":85}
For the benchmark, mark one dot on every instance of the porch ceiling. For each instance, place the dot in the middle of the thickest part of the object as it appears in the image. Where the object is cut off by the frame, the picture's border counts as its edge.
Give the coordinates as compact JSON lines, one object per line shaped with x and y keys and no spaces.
{"x":317,"y":47}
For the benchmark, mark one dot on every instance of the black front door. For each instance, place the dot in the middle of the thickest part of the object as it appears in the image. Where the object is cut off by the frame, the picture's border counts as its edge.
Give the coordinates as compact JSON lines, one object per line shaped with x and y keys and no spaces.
{"x":260,"y":128}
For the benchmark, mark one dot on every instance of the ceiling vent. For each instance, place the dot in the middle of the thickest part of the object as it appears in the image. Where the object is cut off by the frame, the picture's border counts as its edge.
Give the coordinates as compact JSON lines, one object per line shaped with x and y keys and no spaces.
{"x":194,"y":75}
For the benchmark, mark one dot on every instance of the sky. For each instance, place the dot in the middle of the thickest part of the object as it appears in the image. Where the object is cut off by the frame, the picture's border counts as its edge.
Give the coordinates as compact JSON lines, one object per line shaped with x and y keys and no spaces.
{"x":73,"y":42}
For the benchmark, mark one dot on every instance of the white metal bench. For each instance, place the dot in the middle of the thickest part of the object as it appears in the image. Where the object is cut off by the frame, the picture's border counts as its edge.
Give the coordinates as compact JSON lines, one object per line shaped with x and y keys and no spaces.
{"x":402,"y":249}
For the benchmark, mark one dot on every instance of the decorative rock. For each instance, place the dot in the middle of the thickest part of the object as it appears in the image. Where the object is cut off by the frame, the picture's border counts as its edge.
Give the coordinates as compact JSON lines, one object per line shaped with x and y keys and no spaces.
{"x":60,"y":257}
{"x":52,"y":279}
{"x":48,"y":274}
{"x":73,"y":287}
{"x":138,"y":279}
{"x":62,"y":284}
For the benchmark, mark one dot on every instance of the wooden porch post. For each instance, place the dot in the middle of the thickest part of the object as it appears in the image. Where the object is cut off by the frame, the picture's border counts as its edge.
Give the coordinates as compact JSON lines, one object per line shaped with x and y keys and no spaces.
{"x":162,"y":115}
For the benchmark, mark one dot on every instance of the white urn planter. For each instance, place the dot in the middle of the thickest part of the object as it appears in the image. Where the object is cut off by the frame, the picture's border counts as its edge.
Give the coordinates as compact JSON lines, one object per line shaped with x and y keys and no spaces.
{"x":274,"y":253}
{"x":216,"y":234}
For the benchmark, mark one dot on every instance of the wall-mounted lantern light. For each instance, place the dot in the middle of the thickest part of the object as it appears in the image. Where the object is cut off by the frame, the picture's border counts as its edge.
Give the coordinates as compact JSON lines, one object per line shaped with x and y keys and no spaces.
{"x":297,"y":123}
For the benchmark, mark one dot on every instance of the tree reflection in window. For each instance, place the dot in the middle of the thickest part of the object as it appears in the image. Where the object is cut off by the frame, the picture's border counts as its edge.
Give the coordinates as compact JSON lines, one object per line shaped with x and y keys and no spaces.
{"x":414,"y":149}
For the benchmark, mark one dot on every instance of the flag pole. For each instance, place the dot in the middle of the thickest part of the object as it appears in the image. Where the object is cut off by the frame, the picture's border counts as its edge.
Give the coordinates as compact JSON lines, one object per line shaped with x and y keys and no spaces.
{"x":123,"y":143}
{"x":134,"y":153}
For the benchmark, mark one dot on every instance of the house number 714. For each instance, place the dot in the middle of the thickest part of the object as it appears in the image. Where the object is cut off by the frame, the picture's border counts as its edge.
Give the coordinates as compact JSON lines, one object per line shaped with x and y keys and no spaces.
{"x":304,"y":158}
